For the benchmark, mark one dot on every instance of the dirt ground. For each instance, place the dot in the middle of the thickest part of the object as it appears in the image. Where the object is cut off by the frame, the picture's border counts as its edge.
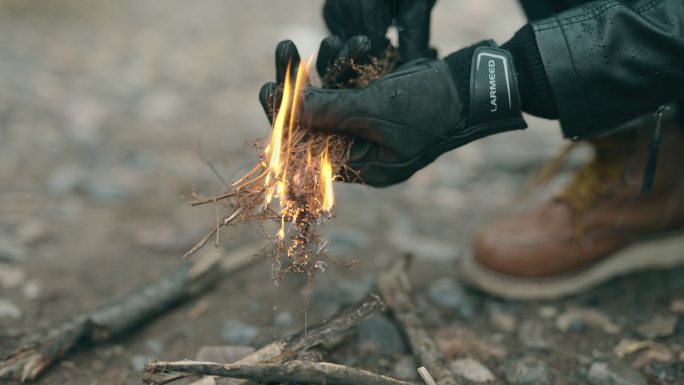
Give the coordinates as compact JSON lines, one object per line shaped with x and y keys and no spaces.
{"x":106,"y":110}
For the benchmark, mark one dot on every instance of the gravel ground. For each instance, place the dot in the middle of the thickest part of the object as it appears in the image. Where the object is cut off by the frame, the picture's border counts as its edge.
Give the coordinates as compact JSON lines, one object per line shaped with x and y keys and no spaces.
{"x":106,"y":110}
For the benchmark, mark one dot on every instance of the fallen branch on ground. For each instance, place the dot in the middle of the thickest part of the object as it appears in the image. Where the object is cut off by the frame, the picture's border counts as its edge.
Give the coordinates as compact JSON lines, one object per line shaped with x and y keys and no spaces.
{"x":40,"y":351}
{"x":396,"y":291}
{"x":287,"y":349}
{"x":292,"y":372}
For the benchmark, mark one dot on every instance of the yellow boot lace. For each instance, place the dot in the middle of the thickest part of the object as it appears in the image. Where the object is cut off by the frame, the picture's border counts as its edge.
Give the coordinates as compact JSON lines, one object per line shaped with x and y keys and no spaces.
{"x":595,"y":179}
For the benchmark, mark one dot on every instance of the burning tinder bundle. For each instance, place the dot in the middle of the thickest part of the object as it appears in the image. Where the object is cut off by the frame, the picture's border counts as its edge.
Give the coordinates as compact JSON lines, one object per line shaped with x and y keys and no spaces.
{"x":292,"y":183}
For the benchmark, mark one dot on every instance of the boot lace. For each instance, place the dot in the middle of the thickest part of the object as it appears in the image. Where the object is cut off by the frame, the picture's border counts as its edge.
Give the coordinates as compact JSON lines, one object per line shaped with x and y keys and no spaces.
{"x":596,"y":179}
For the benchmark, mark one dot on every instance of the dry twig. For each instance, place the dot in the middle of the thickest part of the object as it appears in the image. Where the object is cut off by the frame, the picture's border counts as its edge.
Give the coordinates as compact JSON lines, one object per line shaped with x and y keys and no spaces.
{"x":396,"y":291}
{"x":39,"y":351}
{"x":286,"y":349}
{"x":297,"y":372}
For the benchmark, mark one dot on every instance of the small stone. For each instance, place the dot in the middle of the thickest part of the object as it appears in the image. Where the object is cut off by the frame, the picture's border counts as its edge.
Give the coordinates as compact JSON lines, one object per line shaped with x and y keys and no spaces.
{"x":527,"y":371}
{"x":11,"y":276}
{"x":655,"y":352}
{"x":628,"y":346}
{"x":31,"y":289}
{"x":32,"y":231}
{"x":111,"y":187}
{"x":238,"y":332}
{"x":658,"y":326}
{"x":454,"y":342}
{"x":154,"y":345}
{"x":9,"y":310}
{"x":681,"y":356}
{"x":405,"y":368}
{"x":10,"y":250}
{"x":533,"y":334}
{"x":473,"y":370}
{"x":379,"y":336}
{"x":448,"y":293}
{"x":547,"y":311}
{"x":66,"y":179}
{"x":138,"y":362}
{"x":614,"y":372}
{"x":328,"y":300}
{"x":677,"y":306}
{"x":284,"y":319}
{"x":225,"y":353}
{"x":503,"y":321}
{"x":576,"y":318}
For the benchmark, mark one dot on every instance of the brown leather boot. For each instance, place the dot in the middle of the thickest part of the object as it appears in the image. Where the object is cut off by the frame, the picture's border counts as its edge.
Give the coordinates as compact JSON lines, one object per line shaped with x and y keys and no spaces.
{"x":599,"y":227}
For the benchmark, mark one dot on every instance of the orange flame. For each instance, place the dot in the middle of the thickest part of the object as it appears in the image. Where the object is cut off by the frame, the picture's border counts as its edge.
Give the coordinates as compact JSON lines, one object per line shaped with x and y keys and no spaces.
{"x":278,"y":153}
{"x":326,"y":181}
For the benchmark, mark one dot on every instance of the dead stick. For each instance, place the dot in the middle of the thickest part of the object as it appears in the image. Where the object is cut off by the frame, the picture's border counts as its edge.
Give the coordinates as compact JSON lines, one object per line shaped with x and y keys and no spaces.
{"x":213,"y":199}
{"x":396,"y":291}
{"x":296,"y":372}
{"x":39,"y":351}
{"x":286,"y":349}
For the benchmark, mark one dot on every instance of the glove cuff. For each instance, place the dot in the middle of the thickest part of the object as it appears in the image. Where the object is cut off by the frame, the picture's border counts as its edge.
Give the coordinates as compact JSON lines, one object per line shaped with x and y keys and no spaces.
{"x":491,"y":98}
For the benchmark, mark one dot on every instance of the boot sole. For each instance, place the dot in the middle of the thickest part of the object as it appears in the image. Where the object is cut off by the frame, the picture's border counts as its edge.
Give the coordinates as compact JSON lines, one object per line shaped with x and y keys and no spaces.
{"x":656,"y":253}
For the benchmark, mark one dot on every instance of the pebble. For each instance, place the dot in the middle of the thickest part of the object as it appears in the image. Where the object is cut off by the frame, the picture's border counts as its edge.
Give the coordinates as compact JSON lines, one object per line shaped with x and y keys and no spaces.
{"x":115,"y":188}
{"x":628,"y":346}
{"x":453,"y":341}
{"x":11,"y":276}
{"x":66,"y":179}
{"x":527,"y":371}
{"x":32,"y":231}
{"x":655,"y":352}
{"x":9,"y":309}
{"x":677,"y":306}
{"x":225,"y":353}
{"x":238,"y":333}
{"x":11,"y":251}
{"x":533,"y":334}
{"x":503,"y":321}
{"x":658,"y":326}
{"x":547,"y":311}
{"x":138,"y":362}
{"x":379,"y":336}
{"x":329,"y":299}
{"x":472,"y":370}
{"x":154,"y":345}
{"x":448,"y":293}
{"x":576,"y":318}
{"x":284,"y":319}
{"x":31,"y":289}
{"x":613,"y":372}
{"x":405,"y":368}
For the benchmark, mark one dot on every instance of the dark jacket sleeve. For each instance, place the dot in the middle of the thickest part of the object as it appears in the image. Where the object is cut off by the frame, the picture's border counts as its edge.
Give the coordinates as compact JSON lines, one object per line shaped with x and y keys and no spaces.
{"x":609,"y":61}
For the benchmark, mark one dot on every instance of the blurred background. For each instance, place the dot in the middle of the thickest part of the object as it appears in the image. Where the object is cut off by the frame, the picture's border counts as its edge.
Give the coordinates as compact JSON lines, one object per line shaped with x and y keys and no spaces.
{"x":107,"y":109}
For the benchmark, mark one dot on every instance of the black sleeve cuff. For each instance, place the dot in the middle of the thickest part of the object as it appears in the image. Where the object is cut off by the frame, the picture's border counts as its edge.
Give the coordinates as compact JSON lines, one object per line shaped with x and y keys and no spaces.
{"x":459,"y":63}
{"x":535,"y":91}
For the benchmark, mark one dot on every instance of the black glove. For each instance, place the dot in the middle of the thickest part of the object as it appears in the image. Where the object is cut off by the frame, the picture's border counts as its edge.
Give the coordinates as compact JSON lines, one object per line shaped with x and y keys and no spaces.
{"x":405,"y":120}
{"x":369,"y":20}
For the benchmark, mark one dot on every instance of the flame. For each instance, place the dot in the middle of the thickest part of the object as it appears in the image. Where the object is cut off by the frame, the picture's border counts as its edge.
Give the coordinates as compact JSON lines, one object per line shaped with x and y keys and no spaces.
{"x":280,"y":147}
{"x":326,"y":181}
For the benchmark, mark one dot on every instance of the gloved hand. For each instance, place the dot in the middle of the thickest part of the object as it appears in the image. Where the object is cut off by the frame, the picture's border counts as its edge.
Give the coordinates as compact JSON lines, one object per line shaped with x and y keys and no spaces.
{"x":405,"y":120}
{"x":359,"y":28}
